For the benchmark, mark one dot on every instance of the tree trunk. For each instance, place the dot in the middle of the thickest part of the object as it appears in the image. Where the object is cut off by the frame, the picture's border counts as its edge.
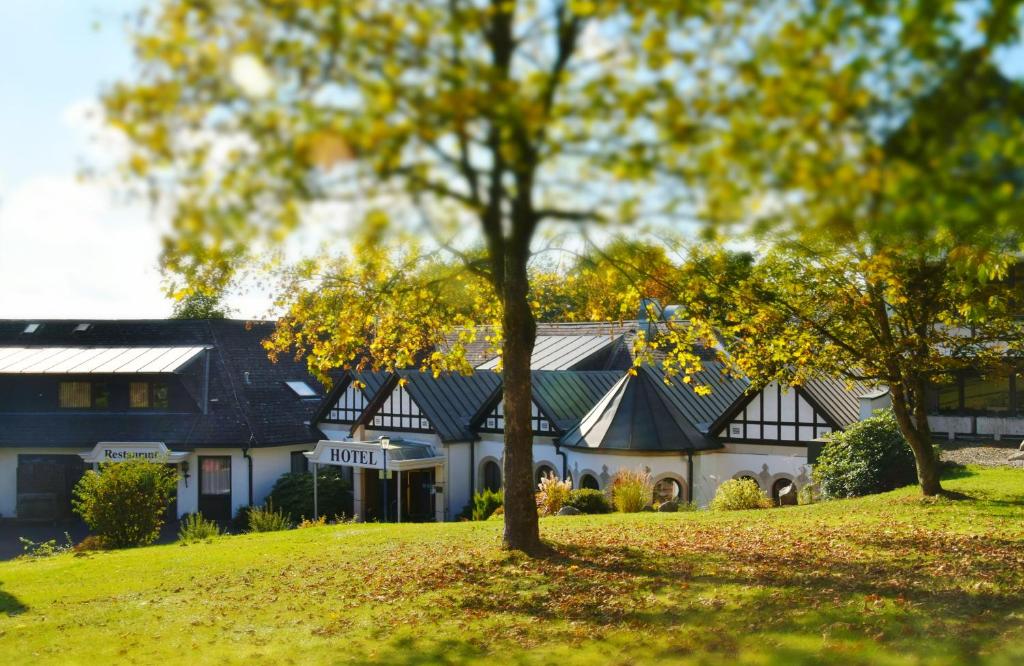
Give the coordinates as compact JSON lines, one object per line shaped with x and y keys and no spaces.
{"x":910,"y":412}
{"x":520,"y":331}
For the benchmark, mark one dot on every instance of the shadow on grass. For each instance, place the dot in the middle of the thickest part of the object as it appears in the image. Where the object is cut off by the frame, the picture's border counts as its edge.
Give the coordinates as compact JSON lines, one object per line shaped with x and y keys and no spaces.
{"x":893,"y":604}
{"x":9,"y":604}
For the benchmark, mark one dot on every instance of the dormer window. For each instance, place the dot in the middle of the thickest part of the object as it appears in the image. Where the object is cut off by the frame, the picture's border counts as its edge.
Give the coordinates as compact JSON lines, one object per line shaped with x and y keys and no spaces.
{"x":84,"y":395}
{"x":148,"y":395}
{"x":302,"y":389}
{"x":32,"y":328}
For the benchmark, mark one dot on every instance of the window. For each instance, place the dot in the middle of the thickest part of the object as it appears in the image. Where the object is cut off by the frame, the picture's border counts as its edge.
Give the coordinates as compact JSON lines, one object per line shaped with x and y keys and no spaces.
{"x":83,"y":395}
{"x":302,"y":389}
{"x":987,"y":394}
{"x":948,"y":397}
{"x":32,"y":328}
{"x":544,"y":470}
{"x":668,"y":490}
{"x":215,"y":475}
{"x":588,"y":481}
{"x":300,"y":463}
{"x":492,"y":476}
{"x":148,"y":395}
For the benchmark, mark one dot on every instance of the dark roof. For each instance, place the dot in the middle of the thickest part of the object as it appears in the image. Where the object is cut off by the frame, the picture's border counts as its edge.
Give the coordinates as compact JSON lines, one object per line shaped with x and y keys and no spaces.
{"x":565,"y":397}
{"x":837,"y":398}
{"x":701,"y":410}
{"x":249,"y":400}
{"x":479,"y":352}
{"x":373,"y":381}
{"x":450,"y":401}
{"x":637,"y":415}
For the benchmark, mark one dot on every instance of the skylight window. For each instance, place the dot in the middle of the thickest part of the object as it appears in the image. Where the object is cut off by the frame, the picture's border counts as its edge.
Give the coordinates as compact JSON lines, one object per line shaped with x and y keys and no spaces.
{"x":82,"y":328}
{"x":32,"y":328}
{"x":302,"y":389}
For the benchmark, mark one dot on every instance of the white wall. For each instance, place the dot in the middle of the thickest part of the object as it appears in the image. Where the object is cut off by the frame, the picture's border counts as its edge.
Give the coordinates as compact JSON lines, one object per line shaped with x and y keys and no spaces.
{"x":268,"y":464}
{"x":766,"y":464}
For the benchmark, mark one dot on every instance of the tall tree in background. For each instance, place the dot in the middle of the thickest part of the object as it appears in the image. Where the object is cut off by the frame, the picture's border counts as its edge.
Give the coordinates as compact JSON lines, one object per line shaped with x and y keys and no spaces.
{"x":480,"y":121}
{"x":874,"y":148}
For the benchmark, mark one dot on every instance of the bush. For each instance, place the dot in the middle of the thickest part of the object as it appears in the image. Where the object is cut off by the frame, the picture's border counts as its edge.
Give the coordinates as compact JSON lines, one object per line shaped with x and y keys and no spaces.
{"x":807,"y":495}
{"x":870,"y":457}
{"x":738,"y":494}
{"x":45,"y":548}
{"x":631,"y":491}
{"x":125,"y":502}
{"x":293,"y":494}
{"x":552,"y":493}
{"x":588,"y":500}
{"x":268,"y":519}
{"x":196,"y":528}
{"x":485,"y":503}
{"x":499,"y":514}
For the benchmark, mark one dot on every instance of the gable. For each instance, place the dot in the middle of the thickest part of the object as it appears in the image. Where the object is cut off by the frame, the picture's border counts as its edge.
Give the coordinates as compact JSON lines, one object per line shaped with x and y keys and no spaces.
{"x":779,"y":415}
{"x":495,"y":421}
{"x":399,"y":412}
{"x":349,"y":406}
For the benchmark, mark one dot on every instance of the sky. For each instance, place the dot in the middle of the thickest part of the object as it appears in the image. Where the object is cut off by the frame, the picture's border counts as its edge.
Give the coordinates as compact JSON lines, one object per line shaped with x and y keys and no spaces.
{"x":68,"y":247}
{"x":71,"y":248}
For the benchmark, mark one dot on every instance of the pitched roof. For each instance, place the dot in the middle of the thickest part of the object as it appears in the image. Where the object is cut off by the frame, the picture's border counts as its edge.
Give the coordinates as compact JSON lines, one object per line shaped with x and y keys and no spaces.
{"x":562,"y":352}
{"x":248,"y":398}
{"x":701,"y":410}
{"x":839,"y":400}
{"x":566,"y":396}
{"x":637,"y":415}
{"x":451,"y":400}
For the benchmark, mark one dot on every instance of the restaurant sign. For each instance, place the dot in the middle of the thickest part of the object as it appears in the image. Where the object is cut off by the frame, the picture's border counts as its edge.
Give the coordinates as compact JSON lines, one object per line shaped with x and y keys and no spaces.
{"x":112,"y":452}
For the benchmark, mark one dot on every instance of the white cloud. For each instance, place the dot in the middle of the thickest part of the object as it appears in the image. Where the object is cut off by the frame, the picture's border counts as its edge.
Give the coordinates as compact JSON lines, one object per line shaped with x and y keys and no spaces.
{"x":68,"y":249}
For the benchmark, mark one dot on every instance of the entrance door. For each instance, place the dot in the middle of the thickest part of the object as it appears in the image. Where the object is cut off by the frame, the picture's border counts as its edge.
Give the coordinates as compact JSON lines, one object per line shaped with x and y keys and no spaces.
{"x":45,"y":484}
{"x":215,"y":487}
{"x":372,"y":508}
{"x":418,"y":504}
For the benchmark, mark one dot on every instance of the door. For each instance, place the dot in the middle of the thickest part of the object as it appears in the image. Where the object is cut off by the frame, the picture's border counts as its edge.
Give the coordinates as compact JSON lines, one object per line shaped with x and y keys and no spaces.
{"x":215,"y":487}
{"x":45,"y":485}
{"x":417,"y":492}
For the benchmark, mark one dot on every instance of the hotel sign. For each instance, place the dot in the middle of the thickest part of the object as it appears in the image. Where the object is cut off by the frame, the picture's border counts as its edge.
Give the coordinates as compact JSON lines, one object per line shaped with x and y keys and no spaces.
{"x":350,"y":454}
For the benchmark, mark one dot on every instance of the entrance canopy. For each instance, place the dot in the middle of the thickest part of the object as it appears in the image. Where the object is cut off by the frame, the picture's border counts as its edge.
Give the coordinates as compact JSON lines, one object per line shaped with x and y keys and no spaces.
{"x":105,"y":452}
{"x":382,"y":454}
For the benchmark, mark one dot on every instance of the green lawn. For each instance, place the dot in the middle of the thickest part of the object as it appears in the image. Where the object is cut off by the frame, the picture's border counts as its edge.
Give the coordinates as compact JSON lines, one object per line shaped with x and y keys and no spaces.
{"x":882,"y":580}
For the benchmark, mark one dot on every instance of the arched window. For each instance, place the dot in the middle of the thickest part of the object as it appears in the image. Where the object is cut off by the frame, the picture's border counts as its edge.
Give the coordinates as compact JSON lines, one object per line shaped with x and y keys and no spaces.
{"x":492,"y":476}
{"x":778,"y":487}
{"x":544,"y":470}
{"x":588,"y":481}
{"x":668,"y":489}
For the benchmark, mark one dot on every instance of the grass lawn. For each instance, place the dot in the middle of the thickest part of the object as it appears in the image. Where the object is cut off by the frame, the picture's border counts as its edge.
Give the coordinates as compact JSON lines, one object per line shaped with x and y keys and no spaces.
{"x":883,"y":580}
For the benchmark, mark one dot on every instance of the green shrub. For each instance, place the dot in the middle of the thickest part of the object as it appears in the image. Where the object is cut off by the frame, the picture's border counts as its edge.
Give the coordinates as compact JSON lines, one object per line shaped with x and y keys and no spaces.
{"x":46,"y":548}
{"x":196,"y":528}
{"x":125,"y":502}
{"x":499,"y":514}
{"x":869,"y":457}
{"x":807,"y":495}
{"x":293,"y":494}
{"x":631,"y":491}
{"x":485,"y":503}
{"x":588,"y":500}
{"x":552,"y":493}
{"x":268,"y":519}
{"x":738,"y":494}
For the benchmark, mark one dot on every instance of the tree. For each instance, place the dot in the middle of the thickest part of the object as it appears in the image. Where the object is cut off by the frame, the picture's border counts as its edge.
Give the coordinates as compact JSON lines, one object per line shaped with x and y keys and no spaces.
{"x":873,"y":152}
{"x":200,"y":305}
{"x":477,"y":123}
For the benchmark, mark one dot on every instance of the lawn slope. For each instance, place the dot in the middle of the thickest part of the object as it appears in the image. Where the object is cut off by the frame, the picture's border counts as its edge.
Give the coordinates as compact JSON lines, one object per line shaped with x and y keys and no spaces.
{"x":882,"y":580}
